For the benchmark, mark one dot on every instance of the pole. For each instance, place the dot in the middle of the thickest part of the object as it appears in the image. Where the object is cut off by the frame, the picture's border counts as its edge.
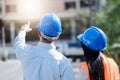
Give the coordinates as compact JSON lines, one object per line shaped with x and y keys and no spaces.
{"x":4,"y":54}
{"x":3,"y":39}
{"x":77,"y":4}
{"x":73,"y":30}
{"x":12,"y":32}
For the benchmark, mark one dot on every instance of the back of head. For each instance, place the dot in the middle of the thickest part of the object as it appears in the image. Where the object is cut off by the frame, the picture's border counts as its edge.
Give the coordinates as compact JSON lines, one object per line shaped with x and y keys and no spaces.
{"x":94,"y":38}
{"x":50,"y":26}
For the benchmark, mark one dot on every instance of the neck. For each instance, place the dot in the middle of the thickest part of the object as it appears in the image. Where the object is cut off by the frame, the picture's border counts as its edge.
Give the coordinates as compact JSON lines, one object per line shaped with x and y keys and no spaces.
{"x":46,"y":41}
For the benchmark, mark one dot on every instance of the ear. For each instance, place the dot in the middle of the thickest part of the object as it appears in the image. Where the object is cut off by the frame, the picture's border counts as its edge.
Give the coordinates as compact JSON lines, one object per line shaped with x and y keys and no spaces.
{"x":58,"y":37}
{"x":39,"y":34}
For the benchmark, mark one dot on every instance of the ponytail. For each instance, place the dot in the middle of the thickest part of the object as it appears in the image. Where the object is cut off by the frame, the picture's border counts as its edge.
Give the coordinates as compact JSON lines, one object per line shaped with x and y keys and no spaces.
{"x":96,"y":69}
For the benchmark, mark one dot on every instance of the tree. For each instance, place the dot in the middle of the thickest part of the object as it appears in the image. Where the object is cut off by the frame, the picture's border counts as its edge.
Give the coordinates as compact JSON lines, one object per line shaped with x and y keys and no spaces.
{"x":109,"y":21}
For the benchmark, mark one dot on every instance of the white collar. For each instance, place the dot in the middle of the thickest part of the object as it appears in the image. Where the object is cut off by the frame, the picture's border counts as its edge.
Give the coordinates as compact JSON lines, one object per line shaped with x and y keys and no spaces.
{"x":46,"y":45}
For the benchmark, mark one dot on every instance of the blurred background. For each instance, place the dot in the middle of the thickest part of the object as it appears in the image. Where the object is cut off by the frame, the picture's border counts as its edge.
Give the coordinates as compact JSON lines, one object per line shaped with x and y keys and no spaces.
{"x":76,"y":16}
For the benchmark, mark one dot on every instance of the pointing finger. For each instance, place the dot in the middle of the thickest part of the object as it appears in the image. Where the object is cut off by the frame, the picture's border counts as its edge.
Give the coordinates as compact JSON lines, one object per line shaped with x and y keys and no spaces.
{"x":28,"y":23}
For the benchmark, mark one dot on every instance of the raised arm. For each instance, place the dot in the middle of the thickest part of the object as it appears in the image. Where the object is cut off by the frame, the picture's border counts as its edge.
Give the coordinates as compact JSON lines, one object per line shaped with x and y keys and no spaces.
{"x":19,"y":45}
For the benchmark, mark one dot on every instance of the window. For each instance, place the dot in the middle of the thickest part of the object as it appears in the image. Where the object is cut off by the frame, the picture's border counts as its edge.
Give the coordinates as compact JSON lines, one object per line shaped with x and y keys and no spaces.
{"x":66,"y":34}
{"x":11,"y":8}
{"x":69,"y":5}
{"x":87,"y":3}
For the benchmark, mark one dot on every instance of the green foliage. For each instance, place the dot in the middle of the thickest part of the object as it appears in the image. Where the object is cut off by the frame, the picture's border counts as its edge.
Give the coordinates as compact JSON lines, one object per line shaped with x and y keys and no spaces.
{"x":113,"y":22}
{"x":109,"y":22}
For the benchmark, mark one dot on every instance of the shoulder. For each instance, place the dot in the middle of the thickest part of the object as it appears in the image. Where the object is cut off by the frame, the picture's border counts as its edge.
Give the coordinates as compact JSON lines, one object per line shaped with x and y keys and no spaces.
{"x":111,"y":68}
{"x":107,"y":61}
{"x":112,"y":62}
{"x":57,"y":55}
{"x":30,"y":48}
{"x":28,"y":51}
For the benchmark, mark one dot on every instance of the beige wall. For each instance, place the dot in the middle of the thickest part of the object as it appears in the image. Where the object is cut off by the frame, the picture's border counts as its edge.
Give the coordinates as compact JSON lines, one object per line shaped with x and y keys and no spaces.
{"x":52,"y":6}
{"x":47,"y":5}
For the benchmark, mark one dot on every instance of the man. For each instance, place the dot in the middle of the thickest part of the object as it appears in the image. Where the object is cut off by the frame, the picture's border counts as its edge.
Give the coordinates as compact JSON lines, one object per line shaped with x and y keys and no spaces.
{"x":97,"y":66}
{"x":43,"y":62}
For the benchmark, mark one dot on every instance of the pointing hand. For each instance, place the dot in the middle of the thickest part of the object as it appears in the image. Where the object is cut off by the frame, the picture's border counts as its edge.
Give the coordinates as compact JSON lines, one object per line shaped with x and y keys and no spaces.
{"x":26,"y":27}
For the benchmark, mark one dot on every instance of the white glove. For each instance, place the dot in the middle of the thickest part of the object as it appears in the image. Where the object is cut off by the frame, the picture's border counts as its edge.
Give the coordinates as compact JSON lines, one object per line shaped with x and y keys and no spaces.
{"x":26,"y":27}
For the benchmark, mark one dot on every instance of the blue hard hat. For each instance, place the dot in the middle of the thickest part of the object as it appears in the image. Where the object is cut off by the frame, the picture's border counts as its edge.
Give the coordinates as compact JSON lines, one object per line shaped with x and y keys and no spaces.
{"x":50,"y":25}
{"x":94,"y":38}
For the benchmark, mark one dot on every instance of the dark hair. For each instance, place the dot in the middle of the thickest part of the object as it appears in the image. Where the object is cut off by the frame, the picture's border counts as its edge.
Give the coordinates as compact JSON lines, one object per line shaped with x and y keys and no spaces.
{"x":95,"y":64}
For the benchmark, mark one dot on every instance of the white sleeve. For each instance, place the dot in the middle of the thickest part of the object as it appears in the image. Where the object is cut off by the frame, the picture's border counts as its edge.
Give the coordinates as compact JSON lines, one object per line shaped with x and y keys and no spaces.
{"x":19,"y":45}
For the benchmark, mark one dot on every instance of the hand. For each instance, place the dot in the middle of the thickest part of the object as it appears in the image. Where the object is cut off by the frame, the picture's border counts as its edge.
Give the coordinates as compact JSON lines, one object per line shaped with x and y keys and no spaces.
{"x":26,"y":27}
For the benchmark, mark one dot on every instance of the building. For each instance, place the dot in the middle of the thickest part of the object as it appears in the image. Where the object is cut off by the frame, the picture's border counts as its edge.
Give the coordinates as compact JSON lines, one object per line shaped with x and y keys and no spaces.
{"x":15,"y":13}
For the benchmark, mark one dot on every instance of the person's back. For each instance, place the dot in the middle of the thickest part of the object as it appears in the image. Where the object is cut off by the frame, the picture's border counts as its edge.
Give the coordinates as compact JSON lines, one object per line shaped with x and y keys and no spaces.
{"x":111,"y":70}
{"x":43,"y":62}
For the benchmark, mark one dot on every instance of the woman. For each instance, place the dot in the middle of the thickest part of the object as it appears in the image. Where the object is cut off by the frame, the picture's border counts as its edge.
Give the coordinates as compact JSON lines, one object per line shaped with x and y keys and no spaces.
{"x":97,"y":66}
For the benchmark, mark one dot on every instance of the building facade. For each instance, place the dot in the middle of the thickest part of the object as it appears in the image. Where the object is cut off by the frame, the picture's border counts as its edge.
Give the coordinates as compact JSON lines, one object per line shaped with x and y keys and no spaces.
{"x":15,"y":13}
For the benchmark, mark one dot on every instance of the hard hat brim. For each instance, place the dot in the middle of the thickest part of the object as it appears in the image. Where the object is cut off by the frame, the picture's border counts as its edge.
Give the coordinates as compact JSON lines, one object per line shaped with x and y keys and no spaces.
{"x":79,"y":37}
